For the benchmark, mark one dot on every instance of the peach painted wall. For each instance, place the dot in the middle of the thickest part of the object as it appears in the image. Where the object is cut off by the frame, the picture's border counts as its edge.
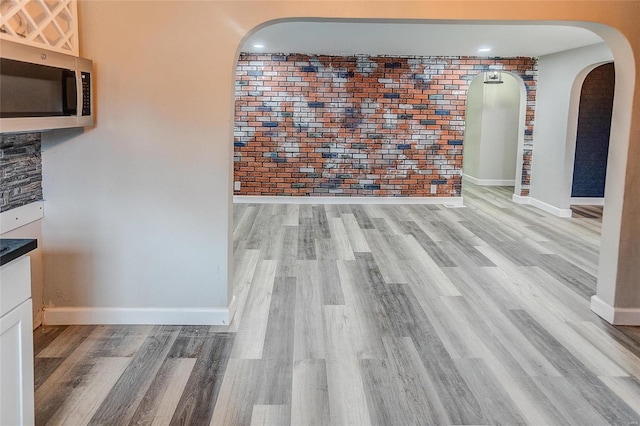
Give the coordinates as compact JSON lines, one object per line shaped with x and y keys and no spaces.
{"x":138,"y":208}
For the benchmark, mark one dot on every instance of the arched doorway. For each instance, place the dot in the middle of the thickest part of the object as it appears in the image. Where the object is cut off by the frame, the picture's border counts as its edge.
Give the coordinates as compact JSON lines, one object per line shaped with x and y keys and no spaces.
{"x":592,"y":136}
{"x":494,"y":132}
{"x":609,"y":292}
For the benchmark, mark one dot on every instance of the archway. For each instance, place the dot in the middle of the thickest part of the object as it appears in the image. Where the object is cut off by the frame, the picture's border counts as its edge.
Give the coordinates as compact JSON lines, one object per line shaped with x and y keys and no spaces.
{"x":494,"y":132}
{"x":592,"y":136}
{"x":611,"y":287}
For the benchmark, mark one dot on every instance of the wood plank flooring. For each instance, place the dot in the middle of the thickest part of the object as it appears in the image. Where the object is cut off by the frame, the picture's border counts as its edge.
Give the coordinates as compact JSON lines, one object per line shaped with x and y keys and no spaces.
{"x":370,"y":315}
{"x":128,"y":374}
{"x":592,"y":212}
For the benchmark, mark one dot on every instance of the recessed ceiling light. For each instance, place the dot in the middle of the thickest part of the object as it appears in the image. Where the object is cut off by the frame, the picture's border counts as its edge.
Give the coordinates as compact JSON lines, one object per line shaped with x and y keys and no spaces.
{"x":484,"y":49}
{"x":258,"y":46}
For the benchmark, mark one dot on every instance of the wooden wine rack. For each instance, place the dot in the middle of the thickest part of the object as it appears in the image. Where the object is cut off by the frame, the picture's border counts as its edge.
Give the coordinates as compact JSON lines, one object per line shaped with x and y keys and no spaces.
{"x":49,"y":24}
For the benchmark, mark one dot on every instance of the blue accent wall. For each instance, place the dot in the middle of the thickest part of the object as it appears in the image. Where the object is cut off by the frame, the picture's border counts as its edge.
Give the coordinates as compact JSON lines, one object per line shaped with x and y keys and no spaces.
{"x":592,"y":139}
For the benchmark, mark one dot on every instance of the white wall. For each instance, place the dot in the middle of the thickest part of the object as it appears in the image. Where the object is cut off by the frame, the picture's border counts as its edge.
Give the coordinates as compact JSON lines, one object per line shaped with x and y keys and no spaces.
{"x":492,"y":123}
{"x":556,"y":120}
{"x":138,"y":206}
{"x":473,"y":129}
{"x":500,"y":114}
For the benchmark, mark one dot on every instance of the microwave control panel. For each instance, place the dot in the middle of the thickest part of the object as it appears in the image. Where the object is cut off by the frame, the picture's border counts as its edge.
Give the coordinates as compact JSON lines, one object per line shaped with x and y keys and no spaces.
{"x":86,"y":93}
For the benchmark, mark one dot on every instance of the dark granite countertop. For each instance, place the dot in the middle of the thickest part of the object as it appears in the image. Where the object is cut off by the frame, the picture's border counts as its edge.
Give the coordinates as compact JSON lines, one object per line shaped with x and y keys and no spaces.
{"x":13,"y":248}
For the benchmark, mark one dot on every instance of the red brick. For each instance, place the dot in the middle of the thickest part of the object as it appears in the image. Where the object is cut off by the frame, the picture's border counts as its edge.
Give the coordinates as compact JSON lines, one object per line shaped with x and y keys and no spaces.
{"x":339,"y":128}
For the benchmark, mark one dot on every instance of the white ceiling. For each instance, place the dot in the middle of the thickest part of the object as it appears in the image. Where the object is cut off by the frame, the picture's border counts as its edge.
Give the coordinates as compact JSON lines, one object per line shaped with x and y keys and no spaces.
{"x":428,"y":39}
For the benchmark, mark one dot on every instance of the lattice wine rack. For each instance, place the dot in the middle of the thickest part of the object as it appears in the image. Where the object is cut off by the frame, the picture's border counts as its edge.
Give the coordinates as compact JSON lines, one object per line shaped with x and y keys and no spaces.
{"x":49,"y":24}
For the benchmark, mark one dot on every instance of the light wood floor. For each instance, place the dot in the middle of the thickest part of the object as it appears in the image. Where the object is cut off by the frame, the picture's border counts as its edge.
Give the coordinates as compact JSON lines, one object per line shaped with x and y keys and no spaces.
{"x":357,"y":315}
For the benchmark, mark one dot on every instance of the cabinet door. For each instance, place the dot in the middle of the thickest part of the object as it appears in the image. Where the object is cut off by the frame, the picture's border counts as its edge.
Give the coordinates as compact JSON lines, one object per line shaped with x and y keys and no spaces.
{"x":16,"y":366}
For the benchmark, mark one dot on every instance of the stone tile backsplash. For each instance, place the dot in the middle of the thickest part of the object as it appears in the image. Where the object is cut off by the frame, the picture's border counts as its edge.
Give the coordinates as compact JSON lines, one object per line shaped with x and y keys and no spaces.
{"x":20,"y":169}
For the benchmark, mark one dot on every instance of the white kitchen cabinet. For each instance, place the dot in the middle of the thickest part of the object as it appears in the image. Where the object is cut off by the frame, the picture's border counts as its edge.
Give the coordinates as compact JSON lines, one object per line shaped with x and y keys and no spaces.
{"x":16,"y":344}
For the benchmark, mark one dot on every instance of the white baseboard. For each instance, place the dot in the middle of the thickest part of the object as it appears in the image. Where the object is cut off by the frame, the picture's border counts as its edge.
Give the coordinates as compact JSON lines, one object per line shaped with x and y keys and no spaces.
{"x":260,"y":199}
{"x":556,"y":211}
{"x":587,"y":201}
{"x":519,"y":199}
{"x":20,"y":216}
{"x":613,"y":315}
{"x":489,"y":182}
{"x":156,"y":316}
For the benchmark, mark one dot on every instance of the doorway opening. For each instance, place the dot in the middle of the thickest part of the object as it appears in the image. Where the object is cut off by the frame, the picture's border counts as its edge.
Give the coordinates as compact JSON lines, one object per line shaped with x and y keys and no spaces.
{"x":592,"y":137}
{"x":617,"y":152}
{"x":494,"y":132}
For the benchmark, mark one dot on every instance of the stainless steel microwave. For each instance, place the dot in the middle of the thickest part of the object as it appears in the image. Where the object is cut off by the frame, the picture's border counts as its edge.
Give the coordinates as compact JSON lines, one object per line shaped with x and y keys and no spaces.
{"x":41,"y":89}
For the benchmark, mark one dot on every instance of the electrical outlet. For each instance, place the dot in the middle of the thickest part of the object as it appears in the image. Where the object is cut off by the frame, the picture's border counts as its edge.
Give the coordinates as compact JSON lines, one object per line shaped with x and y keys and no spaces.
{"x":236,"y":185}
{"x":434,"y":189}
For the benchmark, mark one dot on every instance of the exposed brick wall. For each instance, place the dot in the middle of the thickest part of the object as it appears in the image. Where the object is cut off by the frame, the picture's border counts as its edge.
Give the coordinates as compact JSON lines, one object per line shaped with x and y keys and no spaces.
{"x":592,"y":138}
{"x":20,"y":169}
{"x":359,"y":125}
